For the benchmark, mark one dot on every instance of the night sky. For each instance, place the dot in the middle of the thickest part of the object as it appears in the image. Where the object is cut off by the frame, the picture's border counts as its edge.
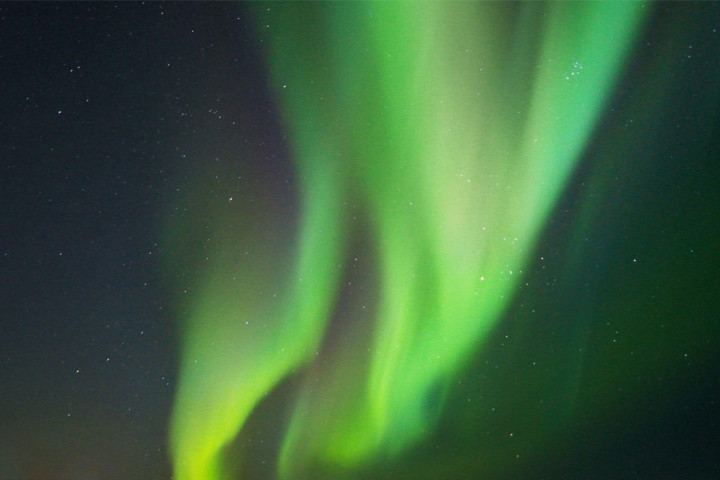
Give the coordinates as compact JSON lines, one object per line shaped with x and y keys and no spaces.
{"x":235,"y":241}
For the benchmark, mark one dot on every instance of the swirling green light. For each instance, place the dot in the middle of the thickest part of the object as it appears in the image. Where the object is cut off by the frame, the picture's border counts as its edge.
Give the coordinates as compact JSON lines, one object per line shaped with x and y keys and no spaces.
{"x":453,"y":128}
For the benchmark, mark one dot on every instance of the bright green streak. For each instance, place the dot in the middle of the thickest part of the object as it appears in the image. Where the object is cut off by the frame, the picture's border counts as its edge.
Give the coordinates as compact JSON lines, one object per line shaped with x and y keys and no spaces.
{"x":455,"y":127}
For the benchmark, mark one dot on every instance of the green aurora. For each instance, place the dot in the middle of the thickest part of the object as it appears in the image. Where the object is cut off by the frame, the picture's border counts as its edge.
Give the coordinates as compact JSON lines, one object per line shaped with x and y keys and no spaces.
{"x":431,"y":142}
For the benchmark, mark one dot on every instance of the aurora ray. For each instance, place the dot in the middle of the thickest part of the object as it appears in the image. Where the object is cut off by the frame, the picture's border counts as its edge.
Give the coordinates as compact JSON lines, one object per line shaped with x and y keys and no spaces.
{"x":453,"y":128}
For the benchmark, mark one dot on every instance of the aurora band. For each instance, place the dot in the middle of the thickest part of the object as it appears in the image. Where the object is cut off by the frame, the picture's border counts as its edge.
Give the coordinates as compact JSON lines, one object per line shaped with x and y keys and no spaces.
{"x":442,"y":134}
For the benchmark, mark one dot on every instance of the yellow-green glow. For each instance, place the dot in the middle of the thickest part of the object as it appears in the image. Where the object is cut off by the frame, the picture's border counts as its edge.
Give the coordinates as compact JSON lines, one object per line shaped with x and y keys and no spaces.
{"x":453,"y":127}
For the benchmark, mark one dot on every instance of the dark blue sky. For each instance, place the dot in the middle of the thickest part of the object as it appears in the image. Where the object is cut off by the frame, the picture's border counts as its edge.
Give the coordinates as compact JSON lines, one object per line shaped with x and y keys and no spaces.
{"x":101,"y":105}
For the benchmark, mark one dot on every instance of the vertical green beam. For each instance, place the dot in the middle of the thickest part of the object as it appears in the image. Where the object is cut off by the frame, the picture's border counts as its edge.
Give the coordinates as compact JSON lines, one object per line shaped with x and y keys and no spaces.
{"x":436,"y":120}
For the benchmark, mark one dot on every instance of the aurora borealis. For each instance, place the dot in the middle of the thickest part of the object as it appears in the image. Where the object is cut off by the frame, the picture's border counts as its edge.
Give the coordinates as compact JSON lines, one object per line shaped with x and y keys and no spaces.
{"x":359,"y":240}
{"x":425,"y":119}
